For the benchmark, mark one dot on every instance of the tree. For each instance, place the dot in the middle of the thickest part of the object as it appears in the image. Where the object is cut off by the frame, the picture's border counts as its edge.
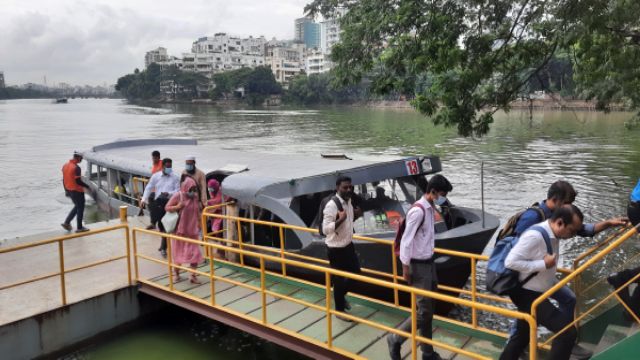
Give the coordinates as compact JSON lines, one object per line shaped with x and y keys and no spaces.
{"x":479,"y":55}
{"x":259,"y":84}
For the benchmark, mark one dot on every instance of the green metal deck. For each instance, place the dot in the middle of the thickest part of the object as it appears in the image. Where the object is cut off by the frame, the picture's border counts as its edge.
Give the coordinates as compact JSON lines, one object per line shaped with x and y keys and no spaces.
{"x":353,"y":339}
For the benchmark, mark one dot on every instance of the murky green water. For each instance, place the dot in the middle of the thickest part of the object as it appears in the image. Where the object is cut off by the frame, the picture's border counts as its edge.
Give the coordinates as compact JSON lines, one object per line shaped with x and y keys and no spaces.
{"x":521,"y":156}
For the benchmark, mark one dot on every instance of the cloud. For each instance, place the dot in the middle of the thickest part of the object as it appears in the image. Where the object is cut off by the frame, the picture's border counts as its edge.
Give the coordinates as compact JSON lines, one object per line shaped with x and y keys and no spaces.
{"x":95,"y":43}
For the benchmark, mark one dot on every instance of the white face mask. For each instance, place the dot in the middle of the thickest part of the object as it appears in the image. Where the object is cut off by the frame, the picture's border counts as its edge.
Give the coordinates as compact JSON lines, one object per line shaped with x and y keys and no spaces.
{"x":440,"y":200}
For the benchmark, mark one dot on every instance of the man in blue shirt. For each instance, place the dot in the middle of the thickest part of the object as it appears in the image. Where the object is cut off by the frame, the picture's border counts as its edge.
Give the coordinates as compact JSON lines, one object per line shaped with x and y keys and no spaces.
{"x":561,"y":193}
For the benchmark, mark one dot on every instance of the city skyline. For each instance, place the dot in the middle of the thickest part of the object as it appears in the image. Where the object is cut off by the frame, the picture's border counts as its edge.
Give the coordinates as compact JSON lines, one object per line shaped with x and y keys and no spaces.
{"x":80,"y":43}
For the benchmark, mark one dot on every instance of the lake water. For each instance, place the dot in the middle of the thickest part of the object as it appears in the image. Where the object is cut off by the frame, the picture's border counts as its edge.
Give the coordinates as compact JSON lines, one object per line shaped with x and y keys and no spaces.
{"x":522,"y":155}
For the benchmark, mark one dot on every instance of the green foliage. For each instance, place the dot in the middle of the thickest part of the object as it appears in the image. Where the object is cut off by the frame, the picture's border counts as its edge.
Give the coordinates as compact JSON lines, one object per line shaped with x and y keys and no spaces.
{"x":259,"y":83}
{"x":322,"y":89}
{"x":144,"y":85}
{"x":464,"y":60}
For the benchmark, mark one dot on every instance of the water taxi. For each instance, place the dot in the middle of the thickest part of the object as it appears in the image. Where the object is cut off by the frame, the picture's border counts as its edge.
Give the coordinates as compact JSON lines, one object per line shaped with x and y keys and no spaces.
{"x":289,"y":188}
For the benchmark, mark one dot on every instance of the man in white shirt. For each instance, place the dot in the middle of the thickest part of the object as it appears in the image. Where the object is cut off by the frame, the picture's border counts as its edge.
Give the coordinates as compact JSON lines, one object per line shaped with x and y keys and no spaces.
{"x":418,"y":268}
{"x":337,"y":225}
{"x":529,"y":256}
{"x":165,"y":183}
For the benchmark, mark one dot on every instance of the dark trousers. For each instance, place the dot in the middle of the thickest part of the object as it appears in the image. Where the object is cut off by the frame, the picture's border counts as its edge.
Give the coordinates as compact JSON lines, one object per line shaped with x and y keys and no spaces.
{"x":78,"y":208}
{"x":633,"y":212}
{"x":423,"y":276}
{"x":548,"y":316}
{"x":345,"y":259}
{"x":633,"y":299}
{"x":157,"y":212}
{"x":153,"y":220}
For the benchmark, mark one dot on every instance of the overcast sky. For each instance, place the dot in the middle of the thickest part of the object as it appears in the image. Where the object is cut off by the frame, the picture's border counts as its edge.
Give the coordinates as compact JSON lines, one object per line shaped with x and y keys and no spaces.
{"x":98,"y":41}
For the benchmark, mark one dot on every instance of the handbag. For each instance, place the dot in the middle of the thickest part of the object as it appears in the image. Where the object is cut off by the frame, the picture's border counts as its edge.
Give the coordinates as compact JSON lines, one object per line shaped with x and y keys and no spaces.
{"x":170,"y":220}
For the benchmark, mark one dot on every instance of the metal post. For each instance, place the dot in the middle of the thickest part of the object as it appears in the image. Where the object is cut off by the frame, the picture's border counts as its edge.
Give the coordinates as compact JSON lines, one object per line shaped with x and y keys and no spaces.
{"x":128,"y":245}
{"x":123,"y":214}
{"x":284,"y":266}
{"x":212,"y":285}
{"x":240,"y":243}
{"x":482,"y":189}
{"x":414,"y":327}
{"x":169,"y":264}
{"x":474,"y":311}
{"x":263,"y":291}
{"x":135,"y":255}
{"x":63,"y":287}
{"x":394,"y":271}
{"x":327,"y":280}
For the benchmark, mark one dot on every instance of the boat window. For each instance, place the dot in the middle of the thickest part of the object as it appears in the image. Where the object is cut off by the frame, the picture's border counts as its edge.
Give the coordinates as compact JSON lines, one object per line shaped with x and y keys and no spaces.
{"x":384,"y":205}
{"x":103,"y":183}
{"x":93,"y":173}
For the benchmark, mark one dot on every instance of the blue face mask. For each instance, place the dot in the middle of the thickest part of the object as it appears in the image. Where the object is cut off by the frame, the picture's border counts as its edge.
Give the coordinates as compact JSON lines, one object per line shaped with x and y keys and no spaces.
{"x":440,"y":200}
{"x":191,"y":195}
{"x":167,"y":171}
{"x":189,"y":167}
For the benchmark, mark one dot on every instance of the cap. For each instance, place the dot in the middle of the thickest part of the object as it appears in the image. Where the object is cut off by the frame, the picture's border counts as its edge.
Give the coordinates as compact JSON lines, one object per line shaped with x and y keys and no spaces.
{"x":190,"y":157}
{"x":77,"y":153}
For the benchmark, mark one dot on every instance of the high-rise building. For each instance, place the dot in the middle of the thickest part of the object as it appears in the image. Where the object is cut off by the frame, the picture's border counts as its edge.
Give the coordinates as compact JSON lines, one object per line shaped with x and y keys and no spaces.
{"x":2,"y":85}
{"x":308,"y":32}
{"x":158,"y":55}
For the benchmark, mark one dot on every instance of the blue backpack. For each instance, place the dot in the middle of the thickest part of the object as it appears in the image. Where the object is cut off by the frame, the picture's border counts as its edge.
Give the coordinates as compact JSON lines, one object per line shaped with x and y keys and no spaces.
{"x":499,"y":279}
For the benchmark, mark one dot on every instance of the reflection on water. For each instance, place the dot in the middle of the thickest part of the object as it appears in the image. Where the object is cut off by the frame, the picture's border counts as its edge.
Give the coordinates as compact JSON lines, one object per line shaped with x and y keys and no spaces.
{"x":522,"y":155}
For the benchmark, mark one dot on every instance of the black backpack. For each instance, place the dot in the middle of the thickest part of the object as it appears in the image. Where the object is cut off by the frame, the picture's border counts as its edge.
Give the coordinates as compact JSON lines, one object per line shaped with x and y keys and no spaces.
{"x":323,"y":204}
{"x":509,"y":228}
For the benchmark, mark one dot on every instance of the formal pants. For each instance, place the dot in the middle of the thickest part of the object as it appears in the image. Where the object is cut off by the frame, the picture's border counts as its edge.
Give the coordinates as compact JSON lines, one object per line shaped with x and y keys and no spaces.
{"x":78,"y":208}
{"x":157,"y":212}
{"x":566,"y":304}
{"x":423,"y":276}
{"x":633,"y":299}
{"x":548,"y":316}
{"x":153,"y":220}
{"x":345,"y":259}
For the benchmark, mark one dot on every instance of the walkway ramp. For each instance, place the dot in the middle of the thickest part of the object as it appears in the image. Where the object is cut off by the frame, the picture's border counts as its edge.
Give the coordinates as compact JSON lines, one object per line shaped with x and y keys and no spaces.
{"x":301,"y":320}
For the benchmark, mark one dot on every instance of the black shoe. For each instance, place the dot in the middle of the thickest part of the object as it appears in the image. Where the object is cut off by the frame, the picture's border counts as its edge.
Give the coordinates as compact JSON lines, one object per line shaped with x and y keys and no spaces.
{"x":347,"y":306}
{"x":66,"y":226}
{"x":616,"y":280}
{"x":433,"y":356}
{"x":345,"y":319}
{"x":163,"y":252}
{"x":82,"y":229}
{"x":394,"y":348}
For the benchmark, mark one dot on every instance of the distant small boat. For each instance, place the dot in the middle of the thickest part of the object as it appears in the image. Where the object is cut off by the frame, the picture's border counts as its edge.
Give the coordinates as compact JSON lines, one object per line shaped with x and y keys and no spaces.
{"x":61,"y":101}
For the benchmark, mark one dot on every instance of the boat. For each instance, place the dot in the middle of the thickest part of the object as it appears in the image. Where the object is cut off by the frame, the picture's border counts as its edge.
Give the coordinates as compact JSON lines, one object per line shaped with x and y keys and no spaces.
{"x":289,"y":188}
{"x":61,"y":100}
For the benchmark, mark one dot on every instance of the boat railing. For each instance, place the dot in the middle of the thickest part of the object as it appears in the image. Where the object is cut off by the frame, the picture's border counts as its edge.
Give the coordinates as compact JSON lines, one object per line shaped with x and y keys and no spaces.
{"x":64,"y":270}
{"x":614,"y":243}
{"x":244,"y":251}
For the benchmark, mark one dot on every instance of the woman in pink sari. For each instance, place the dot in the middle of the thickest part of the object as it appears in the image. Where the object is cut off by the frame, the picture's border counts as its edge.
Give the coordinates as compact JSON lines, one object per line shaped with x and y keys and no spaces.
{"x":187,"y":202}
{"x":216,"y":198}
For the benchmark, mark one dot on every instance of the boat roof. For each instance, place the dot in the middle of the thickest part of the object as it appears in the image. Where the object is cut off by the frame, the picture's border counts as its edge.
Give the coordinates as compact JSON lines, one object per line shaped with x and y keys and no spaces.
{"x":251,"y":174}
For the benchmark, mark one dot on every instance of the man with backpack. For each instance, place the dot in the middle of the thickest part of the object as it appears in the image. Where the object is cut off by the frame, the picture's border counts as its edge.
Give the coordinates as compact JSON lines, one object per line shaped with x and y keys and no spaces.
{"x":418,"y":269}
{"x":337,"y":226}
{"x":535,"y":257}
{"x":560,"y":193}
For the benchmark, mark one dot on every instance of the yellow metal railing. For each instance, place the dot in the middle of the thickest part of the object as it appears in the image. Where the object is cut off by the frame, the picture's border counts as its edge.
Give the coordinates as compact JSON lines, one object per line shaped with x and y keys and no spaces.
{"x":613,"y":244}
{"x":328,"y":272}
{"x":134,"y":184}
{"x":60,"y":240}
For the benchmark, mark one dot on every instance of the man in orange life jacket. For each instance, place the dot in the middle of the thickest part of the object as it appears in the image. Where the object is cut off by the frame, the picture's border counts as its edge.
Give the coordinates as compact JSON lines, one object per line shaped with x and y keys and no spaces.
{"x":74,"y":188}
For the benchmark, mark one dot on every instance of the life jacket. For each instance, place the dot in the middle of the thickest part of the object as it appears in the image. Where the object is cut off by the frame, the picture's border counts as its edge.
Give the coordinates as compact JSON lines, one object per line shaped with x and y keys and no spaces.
{"x":69,"y":177}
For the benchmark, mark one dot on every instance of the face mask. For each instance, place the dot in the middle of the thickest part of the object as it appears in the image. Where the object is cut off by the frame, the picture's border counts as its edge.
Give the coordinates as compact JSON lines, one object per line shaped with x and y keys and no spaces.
{"x":191,"y":195}
{"x":167,"y":171}
{"x":440,"y":200}
{"x":211,"y":190}
{"x":190,"y":167}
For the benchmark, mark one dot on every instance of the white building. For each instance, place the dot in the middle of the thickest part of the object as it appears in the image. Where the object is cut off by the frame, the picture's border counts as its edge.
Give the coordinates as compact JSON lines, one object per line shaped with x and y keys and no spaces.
{"x":2,"y":84}
{"x":317,"y":62}
{"x":158,"y":55}
{"x":285,"y":59}
{"x":329,"y":36}
{"x":221,"y":52}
